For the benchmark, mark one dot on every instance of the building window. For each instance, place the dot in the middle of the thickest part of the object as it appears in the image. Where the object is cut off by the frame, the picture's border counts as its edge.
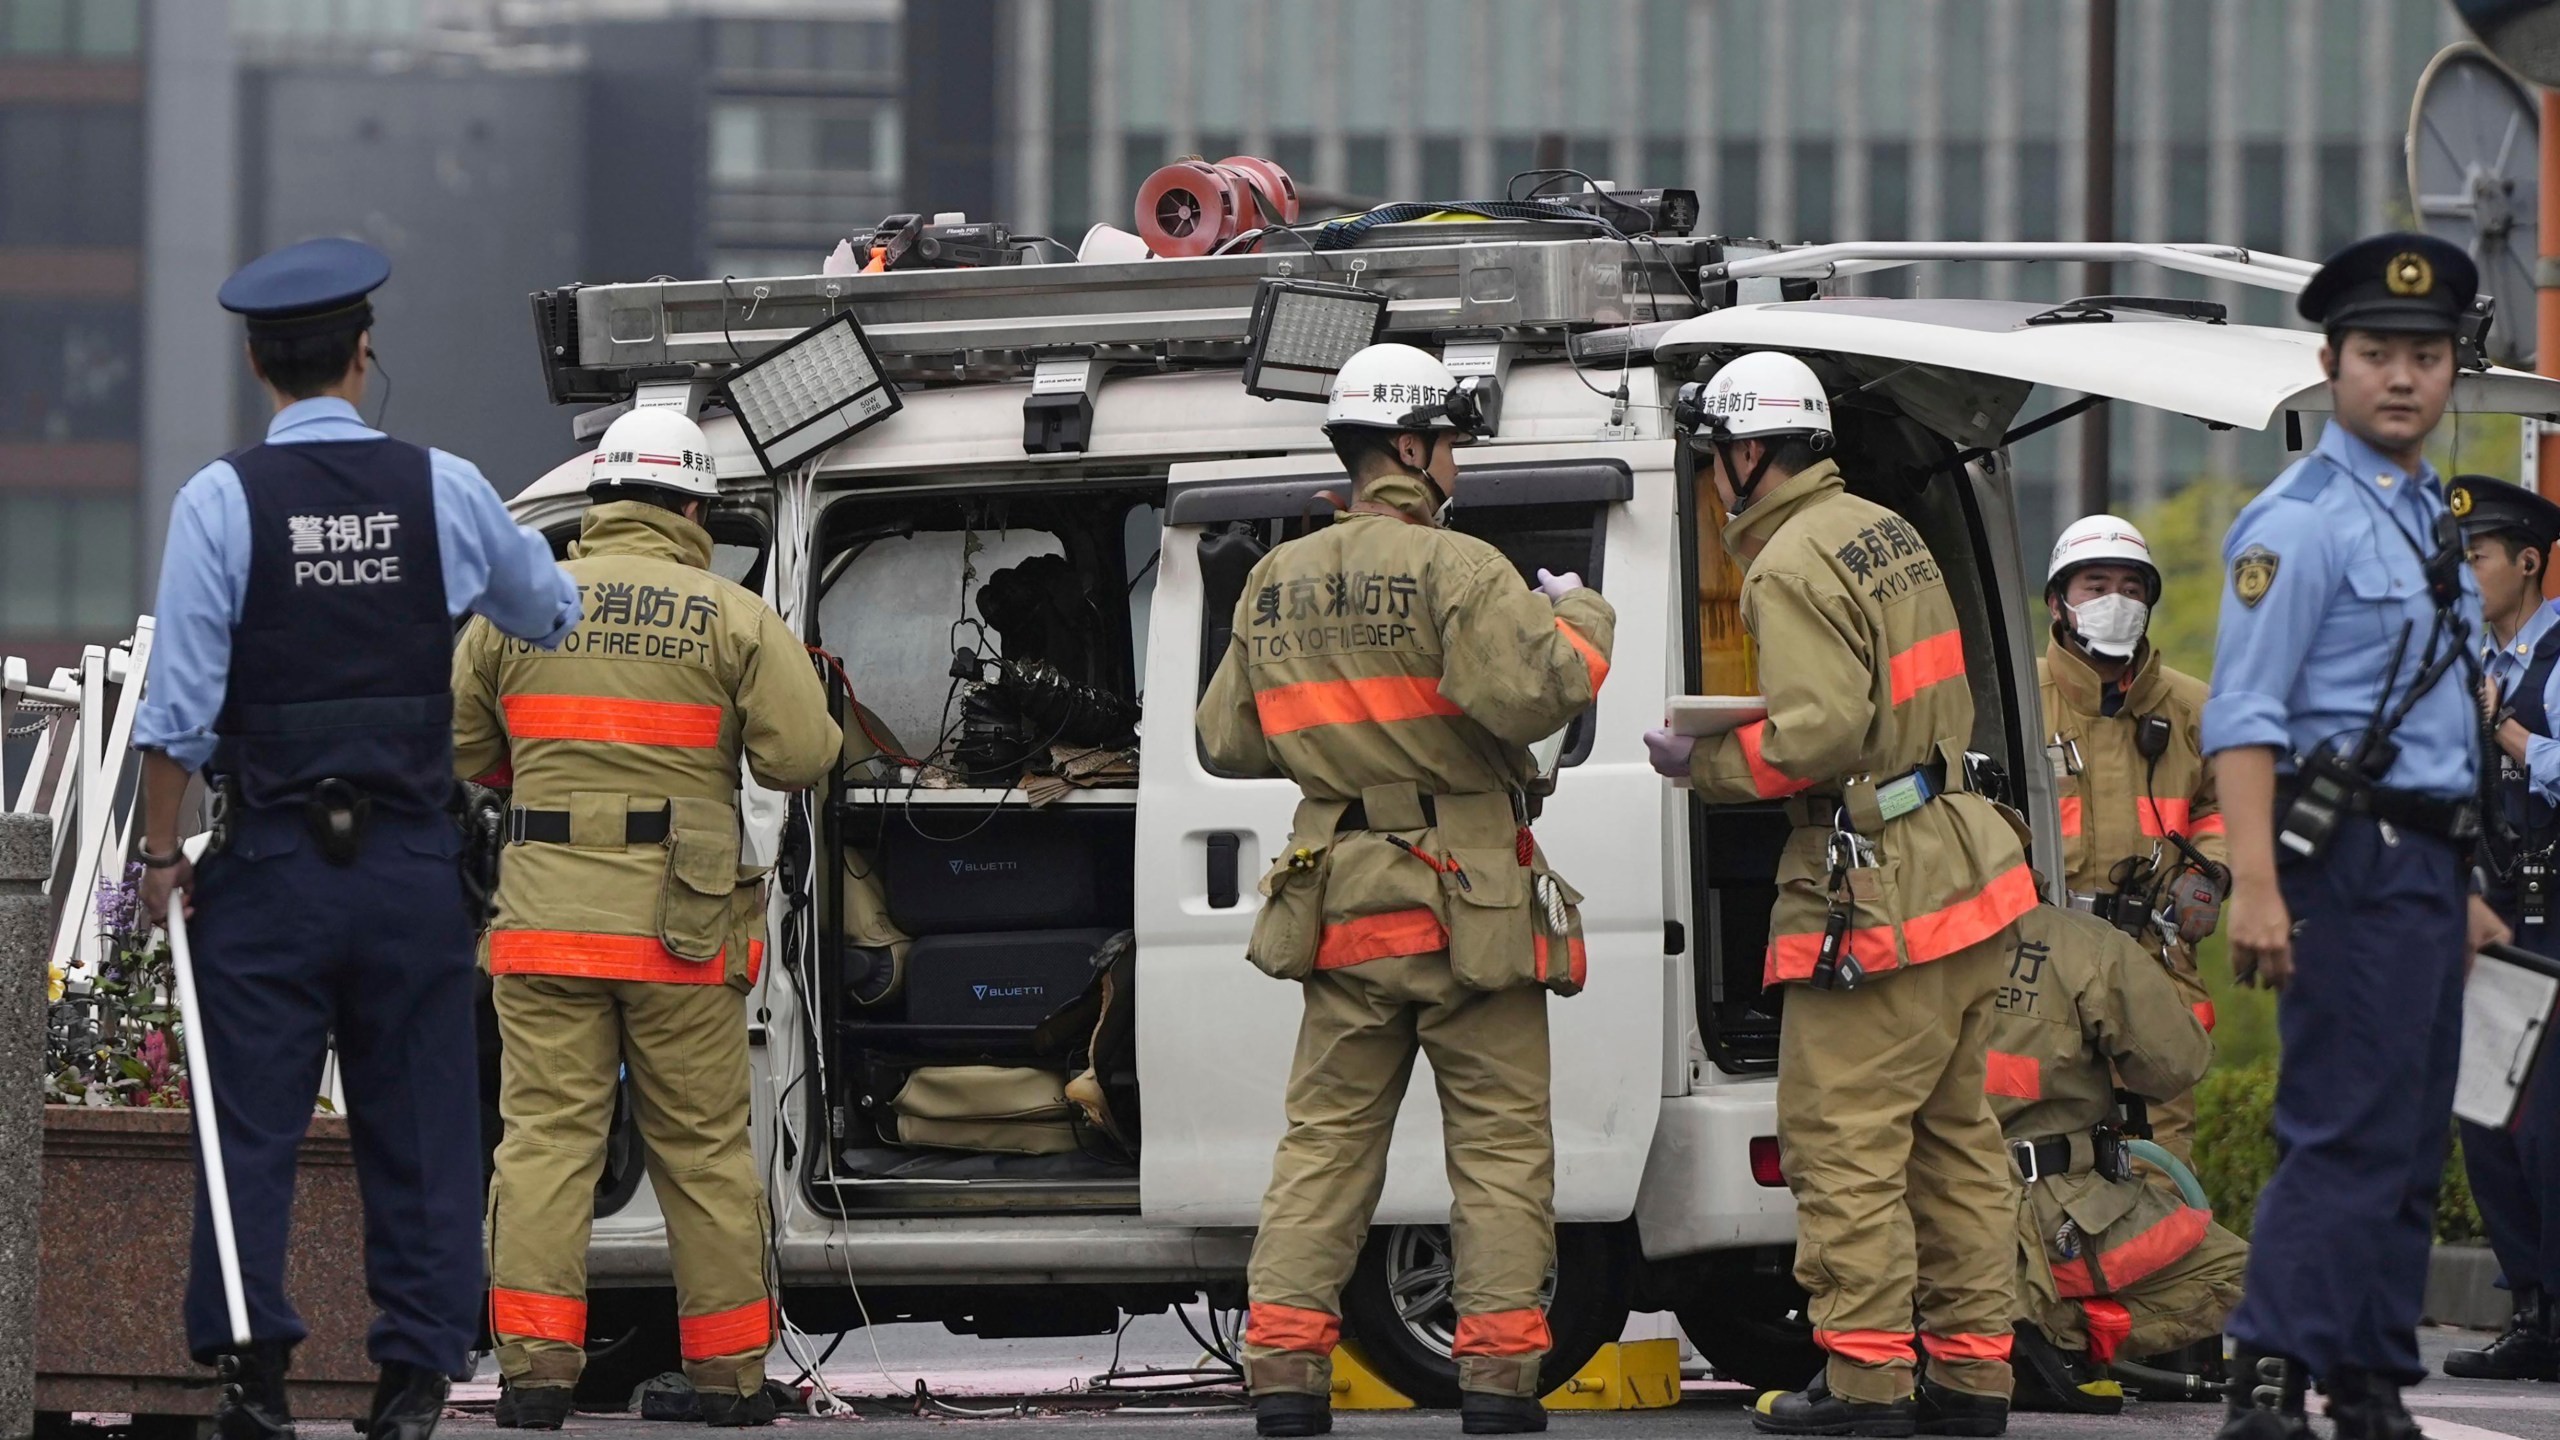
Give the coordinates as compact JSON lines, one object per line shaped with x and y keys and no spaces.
{"x":1444,"y":168}
{"x":70,"y":29}
{"x":1889,"y":190}
{"x":69,"y":370}
{"x":66,"y":563}
{"x":797,"y":143}
{"x":864,"y":51}
{"x":1814,"y":219}
{"x":1737,"y":197}
{"x":2341,"y":194}
{"x":70,"y":175}
{"x":1961,"y":216}
{"x":2039,"y":190}
{"x":1365,"y":160}
{"x":2262,"y":192}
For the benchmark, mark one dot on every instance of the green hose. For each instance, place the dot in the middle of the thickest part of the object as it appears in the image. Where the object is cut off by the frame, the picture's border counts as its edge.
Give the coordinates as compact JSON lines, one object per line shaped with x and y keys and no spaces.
{"x":2188,"y":1186}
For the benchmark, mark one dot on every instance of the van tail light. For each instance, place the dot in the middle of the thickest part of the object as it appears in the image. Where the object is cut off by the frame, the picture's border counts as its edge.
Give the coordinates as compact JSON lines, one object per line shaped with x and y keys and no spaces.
{"x":1764,"y":1162}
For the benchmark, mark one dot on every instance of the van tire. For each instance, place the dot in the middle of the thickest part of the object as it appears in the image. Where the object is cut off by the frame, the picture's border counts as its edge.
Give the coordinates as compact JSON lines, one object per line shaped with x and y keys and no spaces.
{"x":631,"y":1339}
{"x":1750,"y":1326}
{"x":1588,"y":1308}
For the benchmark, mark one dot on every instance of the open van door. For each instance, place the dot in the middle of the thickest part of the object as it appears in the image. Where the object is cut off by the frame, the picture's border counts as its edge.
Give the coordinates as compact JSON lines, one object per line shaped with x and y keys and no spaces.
{"x":1215,"y":1036}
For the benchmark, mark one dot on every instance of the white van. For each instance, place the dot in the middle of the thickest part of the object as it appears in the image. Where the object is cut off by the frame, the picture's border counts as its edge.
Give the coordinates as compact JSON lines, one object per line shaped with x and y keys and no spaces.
{"x":963,"y":523}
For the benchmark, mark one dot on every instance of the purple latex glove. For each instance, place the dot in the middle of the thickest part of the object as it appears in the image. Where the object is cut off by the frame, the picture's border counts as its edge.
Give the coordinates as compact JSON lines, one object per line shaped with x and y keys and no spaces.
{"x":1669,"y":753}
{"x":1556,"y":587}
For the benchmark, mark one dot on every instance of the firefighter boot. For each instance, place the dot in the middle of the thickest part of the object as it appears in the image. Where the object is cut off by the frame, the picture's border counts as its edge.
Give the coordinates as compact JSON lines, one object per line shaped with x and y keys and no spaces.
{"x":1288,"y":1412}
{"x":407,"y":1402}
{"x":2265,"y":1399}
{"x":1814,"y":1410}
{"x":534,"y":1407}
{"x":2527,"y":1350}
{"x":2053,"y":1379}
{"x":1944,"y":1411}
{"x":2365,"y":1406}
{"x":253,"y":1405}
{"x":1481,"y":1412}
{"x":723,"y":1411}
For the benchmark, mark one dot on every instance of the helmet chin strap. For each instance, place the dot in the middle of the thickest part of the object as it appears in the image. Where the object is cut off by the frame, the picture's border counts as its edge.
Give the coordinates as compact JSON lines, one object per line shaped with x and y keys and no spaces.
{"x":1440,"y":511}
{"x":1743,"y":490}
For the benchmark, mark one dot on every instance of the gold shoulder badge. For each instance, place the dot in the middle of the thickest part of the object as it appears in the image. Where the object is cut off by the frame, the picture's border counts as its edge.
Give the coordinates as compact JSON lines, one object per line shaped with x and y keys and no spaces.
{"x":2253,"y":573}
{"x":2459,"y":502}
{"x":2409,"y":274}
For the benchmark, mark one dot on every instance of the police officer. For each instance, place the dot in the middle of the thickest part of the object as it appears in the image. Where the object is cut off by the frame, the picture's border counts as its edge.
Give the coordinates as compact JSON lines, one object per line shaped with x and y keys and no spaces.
{"x":627,"y":928}
{"x":1412,"y":901}
{"x":2141,"y":826}
{"x":1895,"y":895}
{"x":306,"y":610}
{"x":2108,"y":1265}
{"x":2345,"y":738}
{"x":2515,"y":1172}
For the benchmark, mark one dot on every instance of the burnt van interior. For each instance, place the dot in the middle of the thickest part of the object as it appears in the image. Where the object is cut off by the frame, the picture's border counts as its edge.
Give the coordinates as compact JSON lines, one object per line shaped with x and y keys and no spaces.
{"x":1895,"y":460}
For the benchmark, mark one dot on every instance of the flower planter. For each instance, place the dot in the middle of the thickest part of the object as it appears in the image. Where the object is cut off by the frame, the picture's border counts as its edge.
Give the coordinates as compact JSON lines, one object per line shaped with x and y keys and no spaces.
{"x":119,"y":1202}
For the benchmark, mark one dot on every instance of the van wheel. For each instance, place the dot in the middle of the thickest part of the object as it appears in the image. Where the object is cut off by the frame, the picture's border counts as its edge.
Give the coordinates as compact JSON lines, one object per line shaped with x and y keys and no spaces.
{"x":1750,"y":1325}
{"x":631,"y":1339}
{"x":1401,"y":1306}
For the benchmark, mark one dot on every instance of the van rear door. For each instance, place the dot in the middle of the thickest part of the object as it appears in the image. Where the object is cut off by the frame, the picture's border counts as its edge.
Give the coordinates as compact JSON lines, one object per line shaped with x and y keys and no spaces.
{"x":1214,"y":1035}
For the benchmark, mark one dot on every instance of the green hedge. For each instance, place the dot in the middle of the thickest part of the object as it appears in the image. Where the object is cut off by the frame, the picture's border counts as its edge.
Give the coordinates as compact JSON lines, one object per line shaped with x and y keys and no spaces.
{"x":2235,"y":1152}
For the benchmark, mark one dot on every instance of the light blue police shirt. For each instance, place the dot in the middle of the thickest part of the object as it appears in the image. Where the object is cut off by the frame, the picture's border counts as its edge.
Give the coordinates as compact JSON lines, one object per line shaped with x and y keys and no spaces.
{"x":491,"y":565}
{"x":2506,"y":665}
{"x":2321,"y":572}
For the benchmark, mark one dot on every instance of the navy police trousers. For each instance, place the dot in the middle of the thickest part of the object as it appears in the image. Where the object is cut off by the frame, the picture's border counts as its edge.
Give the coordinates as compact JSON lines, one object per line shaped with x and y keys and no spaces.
{"x":2372,"y":1030}
{"x":291,"y":950}
{"x":2515,"y":1173}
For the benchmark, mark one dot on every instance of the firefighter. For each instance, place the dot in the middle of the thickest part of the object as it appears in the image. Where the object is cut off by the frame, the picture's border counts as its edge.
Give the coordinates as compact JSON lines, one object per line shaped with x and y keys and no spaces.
{"x":306,"y":609}
{"x":2515,"y":1172}
{"x":1896,"y":892}
{"x":2107,"y":1264}
{"x":1398,"y":671}
{"x":2136,"y":797}
{"x":627,"y":927}
{"x":2345,"y":741}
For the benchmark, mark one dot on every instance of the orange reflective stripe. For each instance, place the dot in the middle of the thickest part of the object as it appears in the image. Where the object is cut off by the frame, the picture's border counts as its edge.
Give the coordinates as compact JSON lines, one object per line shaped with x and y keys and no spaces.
{"x":1767,"y":780}
{"x":1286,"y":1327}
{"x":1374,"y":937}
{"x":1867,"y":1347}
{"x":613,"y":721}
{"x":2159,"y":817}
{"x":1577,"y":960}
{"x":1504,"y":1332}
{"x":2204,"y":1015}
{"x":1965,"y":923}
{"x":2071,"y":1279}
{"x":603,"y":957}
{"x":2020,"y":1077}
{"x":2181,"y":1231}
{"x":1374,"y":698}
{"x":2109,"y":1324}
{"x":2209,"y":825}
{"x":502,"y":778}
{"x":1792,"y":957}
{"x":1928,"y":662}
{"x":731,"y":1332}
{"x":2070,"y":817}
{"x":530,"y":1315}
{"x":755,"y":960}
{"x":1966,"y":1347}
{"x":1592,"y":659}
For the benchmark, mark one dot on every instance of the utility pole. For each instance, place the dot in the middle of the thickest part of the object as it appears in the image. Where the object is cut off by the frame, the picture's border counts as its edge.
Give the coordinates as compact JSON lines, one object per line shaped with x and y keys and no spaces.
{"x":2546,"y":337}
{"x":2099,"y":226}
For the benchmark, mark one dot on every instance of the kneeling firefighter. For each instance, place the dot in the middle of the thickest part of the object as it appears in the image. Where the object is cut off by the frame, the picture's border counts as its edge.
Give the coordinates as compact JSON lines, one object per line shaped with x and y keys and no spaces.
{"x":1412,"y":901}
{"x":2108,"y":1265}
{"x":626,"y":927}
{"x":1895,"y":894}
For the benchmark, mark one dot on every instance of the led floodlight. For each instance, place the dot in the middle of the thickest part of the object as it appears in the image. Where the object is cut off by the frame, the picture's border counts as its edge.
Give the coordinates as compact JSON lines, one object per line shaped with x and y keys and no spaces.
{"x":1303,"y":332}
{"x":809,"y":392}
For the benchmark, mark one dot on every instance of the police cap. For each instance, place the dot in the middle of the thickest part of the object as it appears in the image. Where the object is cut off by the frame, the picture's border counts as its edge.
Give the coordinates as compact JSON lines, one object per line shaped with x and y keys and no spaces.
{"x":2487,"y":505}
{"x":312,"y":288}
{"x":2395,"y":283}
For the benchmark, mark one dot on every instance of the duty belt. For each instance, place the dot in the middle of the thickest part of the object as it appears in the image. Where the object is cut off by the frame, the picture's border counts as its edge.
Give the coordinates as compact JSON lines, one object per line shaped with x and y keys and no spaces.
{"x":2107,"y":905}
{"x":1356,"y":816}
{"x":2100,"y":1151}
{"x":551,"y":827}
{"x":2453,"y":821}
{"x":1896,"y":797}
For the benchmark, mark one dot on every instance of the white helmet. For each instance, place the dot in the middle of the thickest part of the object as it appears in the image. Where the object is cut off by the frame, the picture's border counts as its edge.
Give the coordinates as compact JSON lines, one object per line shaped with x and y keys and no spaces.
{"x":2101,"y":540}
{"x":1758,"y":395}
{"x":657,"y":447}
{"x":1399,"y":387}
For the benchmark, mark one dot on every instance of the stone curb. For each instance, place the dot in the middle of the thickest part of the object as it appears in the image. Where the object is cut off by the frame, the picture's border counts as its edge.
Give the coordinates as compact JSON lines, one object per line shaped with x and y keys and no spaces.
{"x":2462,"y":1288}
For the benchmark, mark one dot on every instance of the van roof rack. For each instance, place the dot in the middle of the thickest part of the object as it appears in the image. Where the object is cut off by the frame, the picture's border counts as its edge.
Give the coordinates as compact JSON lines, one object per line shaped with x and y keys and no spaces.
{"x":2262,"y":269}
{"x":1499,"y":280}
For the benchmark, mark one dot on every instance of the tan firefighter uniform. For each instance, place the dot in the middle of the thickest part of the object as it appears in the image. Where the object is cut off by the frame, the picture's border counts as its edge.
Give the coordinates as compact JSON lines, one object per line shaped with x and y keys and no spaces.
{"x":1397,"y":672}
{"x":2105,"y":1266}
{"x":626,"y":931}
{"x":2120,"y":805}
{"x":1902,"y":1187}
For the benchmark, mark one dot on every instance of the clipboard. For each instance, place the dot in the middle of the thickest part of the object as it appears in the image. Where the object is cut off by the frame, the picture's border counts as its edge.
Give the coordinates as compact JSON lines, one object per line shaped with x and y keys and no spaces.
{"x":2507,"y":1008}
{"x":1707,"y":716}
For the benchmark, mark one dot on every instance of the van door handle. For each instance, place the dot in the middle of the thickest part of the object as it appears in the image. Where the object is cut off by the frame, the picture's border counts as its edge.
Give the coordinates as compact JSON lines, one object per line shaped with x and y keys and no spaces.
{"x":1222,"y":870}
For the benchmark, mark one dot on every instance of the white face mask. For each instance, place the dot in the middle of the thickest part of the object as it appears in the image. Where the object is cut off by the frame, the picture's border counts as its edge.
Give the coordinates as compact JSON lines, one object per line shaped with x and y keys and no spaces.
{"x":2111,"y":625}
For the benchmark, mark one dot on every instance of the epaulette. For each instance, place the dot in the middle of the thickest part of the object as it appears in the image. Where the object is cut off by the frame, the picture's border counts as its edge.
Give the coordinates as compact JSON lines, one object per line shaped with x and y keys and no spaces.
{"x":2304,"y":479}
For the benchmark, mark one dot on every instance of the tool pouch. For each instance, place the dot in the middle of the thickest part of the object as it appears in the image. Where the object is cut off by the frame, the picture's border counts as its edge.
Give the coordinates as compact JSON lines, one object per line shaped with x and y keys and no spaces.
{"x":1290,"y":926}
{"x":745,"y":942}
{"x":1493,"y":942}
{"x":1556,"y":920}
{"x":336,"y":814}
{"x":702,"y":870}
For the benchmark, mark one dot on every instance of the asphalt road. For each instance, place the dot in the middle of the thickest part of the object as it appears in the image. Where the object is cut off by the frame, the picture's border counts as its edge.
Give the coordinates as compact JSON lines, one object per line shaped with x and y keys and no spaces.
{"x":1036,"y":1390}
